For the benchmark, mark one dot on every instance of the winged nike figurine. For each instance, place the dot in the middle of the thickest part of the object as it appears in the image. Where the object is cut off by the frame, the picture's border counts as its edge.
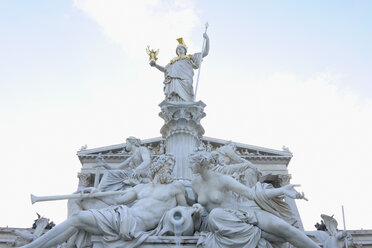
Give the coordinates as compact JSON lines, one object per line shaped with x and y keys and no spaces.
{"x":152,"y":53}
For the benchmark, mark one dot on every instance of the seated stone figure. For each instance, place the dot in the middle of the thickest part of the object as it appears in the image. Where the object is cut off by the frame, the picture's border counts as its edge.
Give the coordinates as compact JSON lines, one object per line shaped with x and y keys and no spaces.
{"x":119,"y":225}
{"x":134,"y":169}
{"x":130,"y":172}
{"x":230,"y":226}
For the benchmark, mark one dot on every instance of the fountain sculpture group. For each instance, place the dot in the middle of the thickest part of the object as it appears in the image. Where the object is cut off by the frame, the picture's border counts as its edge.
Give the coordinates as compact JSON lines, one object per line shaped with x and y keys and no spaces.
{"x":187,"y":189}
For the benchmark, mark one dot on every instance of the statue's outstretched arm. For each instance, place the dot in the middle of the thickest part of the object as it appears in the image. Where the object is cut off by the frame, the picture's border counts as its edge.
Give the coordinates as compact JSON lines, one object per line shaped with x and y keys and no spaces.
{"x":101,"y":162}
{"x":159,"y":67}
{"x":123,"y":164}
{"x":206,"y":49}
{"x":233,"y":185}
{"x":107,"y":166}
{"x":287,"y":190}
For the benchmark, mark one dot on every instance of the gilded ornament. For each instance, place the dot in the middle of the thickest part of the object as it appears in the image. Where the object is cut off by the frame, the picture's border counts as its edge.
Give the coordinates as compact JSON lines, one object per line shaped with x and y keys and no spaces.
{"x":152,"y":53}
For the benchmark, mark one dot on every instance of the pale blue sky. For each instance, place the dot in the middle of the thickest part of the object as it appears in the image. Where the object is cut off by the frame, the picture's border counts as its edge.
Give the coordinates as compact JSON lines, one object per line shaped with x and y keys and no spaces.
{"x":294,"y":73}
{"x":294,"y":36}
{"x":297,"y":36}
{"x":50,"y":50}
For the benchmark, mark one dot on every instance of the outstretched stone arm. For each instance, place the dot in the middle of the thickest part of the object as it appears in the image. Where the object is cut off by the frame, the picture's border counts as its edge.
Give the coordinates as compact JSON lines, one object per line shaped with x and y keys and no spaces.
{"x":287,"y":190}
{"x":206,"y":49}
{"x":159,"y":67}
{"x":235,"y":186}
{"x":122,"y":165}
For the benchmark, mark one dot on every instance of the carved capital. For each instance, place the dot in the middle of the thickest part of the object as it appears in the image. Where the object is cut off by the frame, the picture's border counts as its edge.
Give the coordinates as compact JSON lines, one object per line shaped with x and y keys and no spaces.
{"x":84,"y":179}
{"x":182,"y":118}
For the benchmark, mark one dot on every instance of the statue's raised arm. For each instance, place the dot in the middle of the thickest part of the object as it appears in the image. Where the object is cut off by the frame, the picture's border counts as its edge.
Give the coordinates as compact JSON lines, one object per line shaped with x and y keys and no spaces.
{"x":206,"y":48}
{"x":179,"y":72}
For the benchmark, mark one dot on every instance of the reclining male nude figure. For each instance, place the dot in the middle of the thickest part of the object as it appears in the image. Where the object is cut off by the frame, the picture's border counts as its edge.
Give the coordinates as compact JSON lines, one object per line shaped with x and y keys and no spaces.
{"x":120,"y":223}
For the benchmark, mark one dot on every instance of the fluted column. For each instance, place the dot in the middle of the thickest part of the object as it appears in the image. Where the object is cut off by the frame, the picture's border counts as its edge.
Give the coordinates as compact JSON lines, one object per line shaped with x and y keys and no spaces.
{"x":182,"y":132}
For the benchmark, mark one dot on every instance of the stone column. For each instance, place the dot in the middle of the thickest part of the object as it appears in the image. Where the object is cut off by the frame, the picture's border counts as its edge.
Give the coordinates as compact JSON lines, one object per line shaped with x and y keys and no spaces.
{"x":182,"y":132}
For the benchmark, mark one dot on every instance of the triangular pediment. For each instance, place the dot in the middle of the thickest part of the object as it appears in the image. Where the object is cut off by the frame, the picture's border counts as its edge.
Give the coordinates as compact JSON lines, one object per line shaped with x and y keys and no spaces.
{"x":246,"y":151}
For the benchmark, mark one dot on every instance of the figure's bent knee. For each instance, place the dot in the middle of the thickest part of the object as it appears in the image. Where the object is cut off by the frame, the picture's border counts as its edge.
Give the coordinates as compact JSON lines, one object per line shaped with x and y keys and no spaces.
{"x":215,"y":217}
{"x":79,"y":217}
{"x":216,"y":213}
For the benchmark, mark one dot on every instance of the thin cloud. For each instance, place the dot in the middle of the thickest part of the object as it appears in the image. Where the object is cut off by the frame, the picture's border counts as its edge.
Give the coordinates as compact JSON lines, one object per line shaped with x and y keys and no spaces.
{"x":136,"y":24}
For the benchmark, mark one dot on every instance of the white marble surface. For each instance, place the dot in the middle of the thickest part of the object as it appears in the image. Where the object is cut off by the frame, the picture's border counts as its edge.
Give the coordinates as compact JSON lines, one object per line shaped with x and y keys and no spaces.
{"x":179,"y":73}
